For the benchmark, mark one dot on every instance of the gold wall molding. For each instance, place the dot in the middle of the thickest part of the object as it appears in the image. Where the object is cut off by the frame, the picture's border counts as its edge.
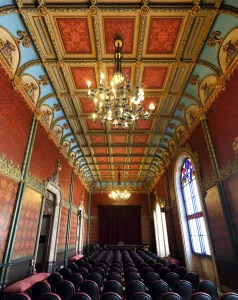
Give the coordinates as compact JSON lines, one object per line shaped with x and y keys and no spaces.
{"x":9,"y":169}
{"x":35,"y":184}
{"x":229,"y":169}
{"x":208,"y":181}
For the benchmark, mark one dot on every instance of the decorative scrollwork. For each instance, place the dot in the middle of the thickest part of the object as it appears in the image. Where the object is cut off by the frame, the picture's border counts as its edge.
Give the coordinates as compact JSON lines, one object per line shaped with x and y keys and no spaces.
{"x":230,"y":168}
{"x":24,"y":38}
{"x":7,"y":167}
{"x":235,"y":145}
{"x":36,"y":184}
{"x":208,"y":180}
{"x":44,"y":80}
{"x":55,"y":178}
{"x":213,"y":39}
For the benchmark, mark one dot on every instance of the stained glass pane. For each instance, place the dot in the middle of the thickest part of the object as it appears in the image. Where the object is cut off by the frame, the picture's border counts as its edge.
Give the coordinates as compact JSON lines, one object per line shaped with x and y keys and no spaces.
{"x":196,"y":224}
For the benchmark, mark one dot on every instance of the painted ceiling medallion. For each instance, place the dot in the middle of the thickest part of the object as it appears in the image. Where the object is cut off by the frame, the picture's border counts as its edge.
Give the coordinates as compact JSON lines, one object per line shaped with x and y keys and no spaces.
{"x":120,"y":104}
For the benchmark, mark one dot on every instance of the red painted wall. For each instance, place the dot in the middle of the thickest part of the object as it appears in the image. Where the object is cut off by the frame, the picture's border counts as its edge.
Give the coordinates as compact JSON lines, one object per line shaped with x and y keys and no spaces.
{"x":63,"y":228}
{"x":15,"y":120}
{"x":223,"y":119}
{"x":73,"y":230}
{"x":78,"y":189}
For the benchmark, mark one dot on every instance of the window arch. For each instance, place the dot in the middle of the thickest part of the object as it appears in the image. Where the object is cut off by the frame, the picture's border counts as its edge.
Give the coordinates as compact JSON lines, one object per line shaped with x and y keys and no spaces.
{"x":193,"y":210}
{"x":162,"y":244}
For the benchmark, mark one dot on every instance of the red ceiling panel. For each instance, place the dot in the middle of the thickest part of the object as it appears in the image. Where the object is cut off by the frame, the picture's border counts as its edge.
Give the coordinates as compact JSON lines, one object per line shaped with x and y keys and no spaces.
{"x":119,"y":159}
{"x":119,"y":150}
{"x":137,"y":150}
{"x":123,"y":27}
{"x":105,"y":172}
{"x":134,"y":166}
{"x":100,"y":150}
{"x":94,"y":126}
{"x":143,"y":124}
{"x":149,"y":100}
{"x":137,"y":139}
{"x":97,"y":139}
{"x":83,"y":74}
{"x":119,"y":139}
{"x":75,"y":35}
{"x":102,"y":159}
{"x":136,"y":159}
{"x":103,"y":167}
{"x":132,"y":172}
{"x":87,"y":105}
{"x":163,"y":34}
{"x":154,"y":77}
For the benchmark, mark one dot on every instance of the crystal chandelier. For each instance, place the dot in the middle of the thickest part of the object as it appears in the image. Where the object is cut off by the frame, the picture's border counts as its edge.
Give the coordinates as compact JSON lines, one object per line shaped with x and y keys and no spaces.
{"x":119,"y":193}
{"x":118,"y":103}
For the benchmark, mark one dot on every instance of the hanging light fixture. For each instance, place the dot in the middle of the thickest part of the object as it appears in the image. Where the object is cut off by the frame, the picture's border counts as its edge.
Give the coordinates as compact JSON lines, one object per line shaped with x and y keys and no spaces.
{"x":119,"y":193}
{"x":118,"y":103}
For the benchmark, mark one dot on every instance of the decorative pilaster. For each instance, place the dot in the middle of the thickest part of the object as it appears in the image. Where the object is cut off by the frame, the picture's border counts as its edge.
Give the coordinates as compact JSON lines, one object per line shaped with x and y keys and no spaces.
{"x":69,"y":220}
{"x":89,"y":214}
{"x":219,"y":185}
{"x":17,"y":209}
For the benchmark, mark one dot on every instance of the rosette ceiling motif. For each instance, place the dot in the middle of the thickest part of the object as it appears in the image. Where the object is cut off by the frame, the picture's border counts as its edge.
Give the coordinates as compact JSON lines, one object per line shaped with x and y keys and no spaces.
{"x":179,"y":49}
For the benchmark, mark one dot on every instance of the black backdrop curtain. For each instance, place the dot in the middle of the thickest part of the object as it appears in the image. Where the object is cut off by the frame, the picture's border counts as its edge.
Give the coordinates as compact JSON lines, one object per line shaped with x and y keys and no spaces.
{"x":119,"y":224}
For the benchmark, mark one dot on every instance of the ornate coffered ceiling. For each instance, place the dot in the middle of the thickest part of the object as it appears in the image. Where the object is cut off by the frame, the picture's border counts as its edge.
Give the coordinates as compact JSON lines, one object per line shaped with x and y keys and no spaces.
{"x":169,"y":46}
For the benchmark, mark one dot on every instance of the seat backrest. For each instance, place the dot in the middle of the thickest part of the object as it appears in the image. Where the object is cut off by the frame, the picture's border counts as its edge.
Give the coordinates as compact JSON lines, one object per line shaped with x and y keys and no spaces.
{"x":184,"y":289}
{"x":129,"y":270}
{"x":88,"y":266}
{"x":181,"y":271}
{"x":132,"y":276}
{"x":163,"y":271}
{"x":164,"y":262}
{"x":48,"y":296}
{"x":110,"y":296}
{"x":158,"y":288}
{"x":77,"y":280}
{"x":209,"y":287}
{"x":80,"y":296}
{"x":157,"y":266}
{"x":65,"y":289}
{"x":114,"y":276}
{"x":80,"y":262}
{"x":150,"y":278}
{"x":90,"y":287}
{"x":65,"y":272}
{"x":133,"y":287}
{"x":100,"y":271}
{"x":54,"y":279}
{"x":21,"y":296}
{"x":103,"y":266}
{"x":84,"y":272}
{"x":73,"y":267}
{"x":171,"y":278}
{"x":201,"y":296}
{"x":39,"y":289}
{"x":116,"y":269}
{"x":129,"y":264}
{"x":229,"y":296}
{"x":96,"y":277}
{"x":113,"y":286}
{"x":140,"y":296}
{"x":170,"y":296}
{"x":141,"y":266}
{"x":105,"y":262}
{"x":193,"y":278}
{"x":145,"y":271}
{"x":172,"y":267}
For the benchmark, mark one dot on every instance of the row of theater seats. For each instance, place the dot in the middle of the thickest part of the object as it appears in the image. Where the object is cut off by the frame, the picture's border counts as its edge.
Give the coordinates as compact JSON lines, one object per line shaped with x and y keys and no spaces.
{"x":140,"y":275}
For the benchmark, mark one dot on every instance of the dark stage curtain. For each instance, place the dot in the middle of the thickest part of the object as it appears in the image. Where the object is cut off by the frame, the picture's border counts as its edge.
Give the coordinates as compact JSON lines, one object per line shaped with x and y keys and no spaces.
{"x":119,"y":224}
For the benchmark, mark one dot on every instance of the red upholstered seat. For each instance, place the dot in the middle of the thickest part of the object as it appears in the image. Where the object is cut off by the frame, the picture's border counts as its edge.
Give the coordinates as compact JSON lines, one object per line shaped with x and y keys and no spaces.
{"x":172,"y":260}
{"x":25,"y":284}
{"x":75,"y":258}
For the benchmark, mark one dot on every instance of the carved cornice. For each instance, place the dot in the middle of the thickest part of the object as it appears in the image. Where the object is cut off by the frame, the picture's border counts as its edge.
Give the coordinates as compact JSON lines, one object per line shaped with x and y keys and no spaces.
{"x":37,"y":185}
{"x":229,"y":169}
{"x":66,"y":203}
{"x":9,"y":169}
{"x":208,"y":181}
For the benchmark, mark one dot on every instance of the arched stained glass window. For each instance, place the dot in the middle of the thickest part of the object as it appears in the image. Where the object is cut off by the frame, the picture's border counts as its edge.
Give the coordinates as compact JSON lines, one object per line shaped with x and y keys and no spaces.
{"x":195,"y":219}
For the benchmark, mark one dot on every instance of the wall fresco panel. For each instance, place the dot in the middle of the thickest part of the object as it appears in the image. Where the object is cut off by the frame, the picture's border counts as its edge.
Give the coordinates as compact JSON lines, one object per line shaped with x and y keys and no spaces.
{"x":78,"y":189}
{"x":15,"y":118}
{"x":28,"y":223}
{"x":8,"y":192}
{"x":65,"y":177}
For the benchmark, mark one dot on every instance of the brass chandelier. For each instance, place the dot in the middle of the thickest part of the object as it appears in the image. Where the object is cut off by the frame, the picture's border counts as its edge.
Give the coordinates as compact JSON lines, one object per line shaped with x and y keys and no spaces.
{"x":118,"y":103}
{"x":119,"y":193}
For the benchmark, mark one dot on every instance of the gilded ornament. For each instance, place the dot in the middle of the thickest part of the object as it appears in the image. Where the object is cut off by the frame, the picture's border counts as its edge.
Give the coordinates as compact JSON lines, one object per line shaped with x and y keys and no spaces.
{"x":181,"y":106}
{"x":213,"y":39}
{"x":21,"y":11}
{"x":38,"y":114}
{"x":144,"y":10}
{"x":35,"y":184}
{"x":194,"y":79}
{"x":44,"y":80}
{"x":235,"y":145}
{"x":195,"y":11}
{"x":60,"y":63}
{"x":8,"y":168}
{"x":42,"y":10}
{"x":230,"y":168}
{"x":138,"y":63}
{"x":17,"y":83}
{"x":24,"y":38}
{"x":93,"y":10}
